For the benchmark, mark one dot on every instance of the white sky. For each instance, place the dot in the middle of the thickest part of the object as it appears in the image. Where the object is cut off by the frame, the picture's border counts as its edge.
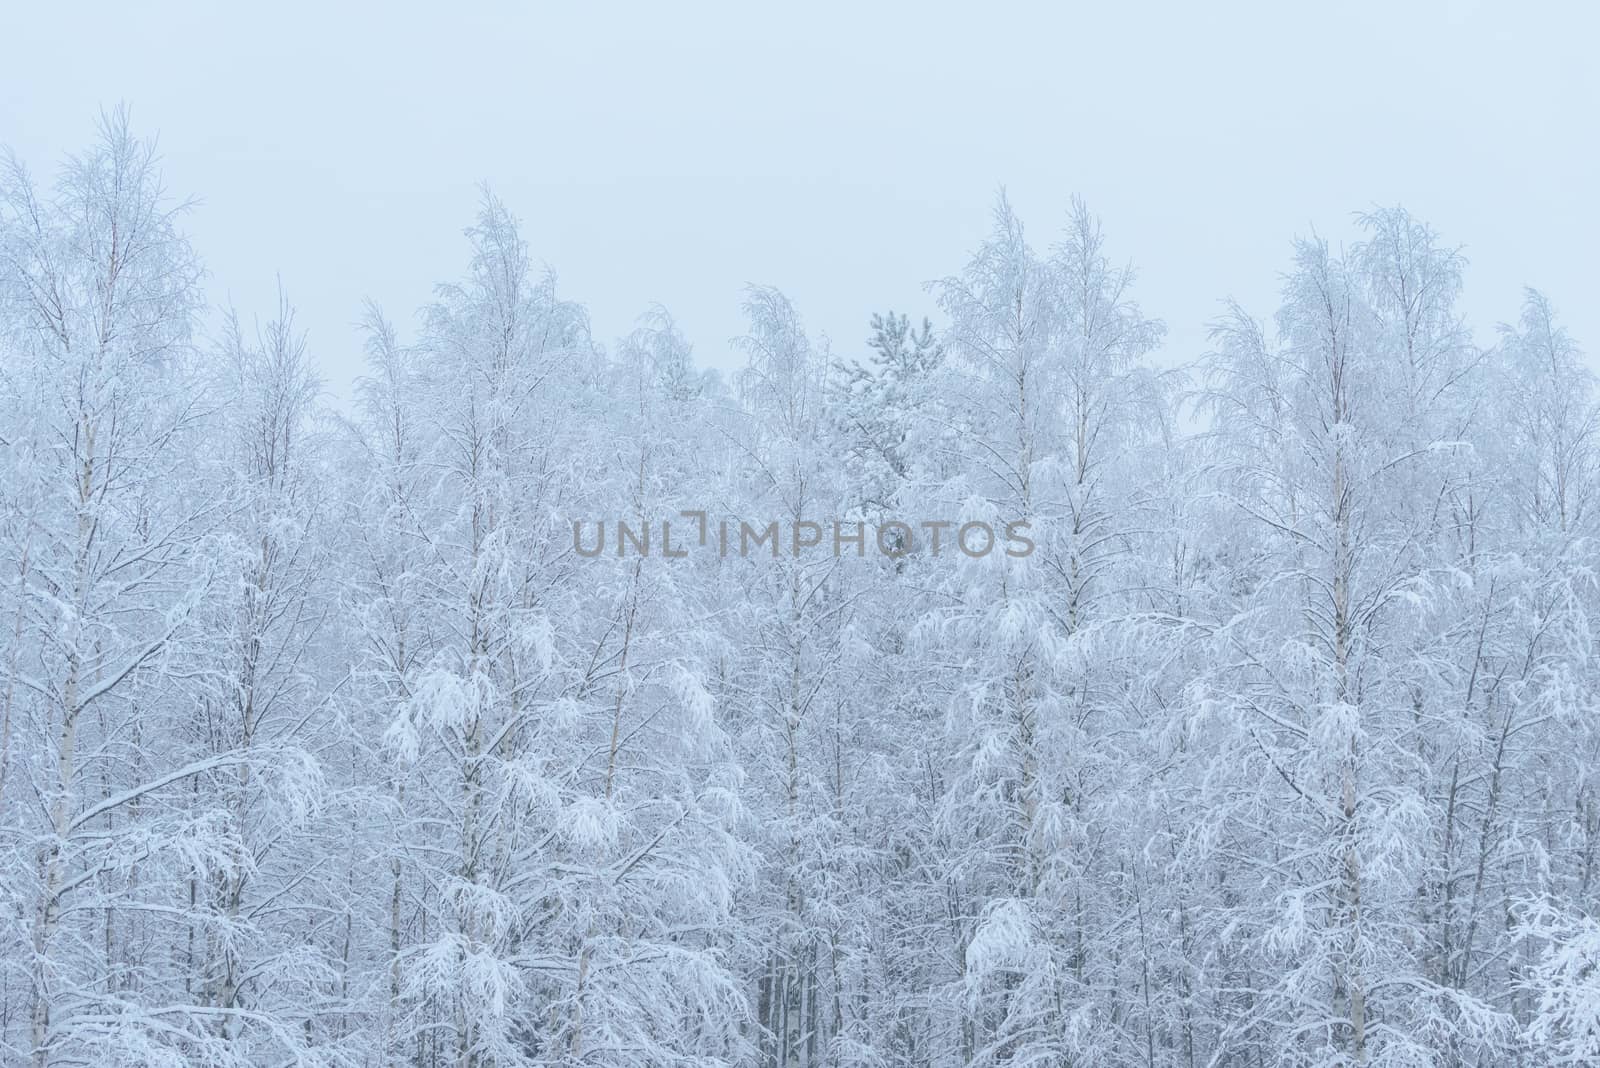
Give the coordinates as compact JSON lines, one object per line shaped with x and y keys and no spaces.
{"x":844,"y":152}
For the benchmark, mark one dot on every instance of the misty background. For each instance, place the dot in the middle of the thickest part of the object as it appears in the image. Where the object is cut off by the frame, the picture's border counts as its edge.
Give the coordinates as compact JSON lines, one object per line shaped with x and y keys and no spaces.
{"x":844,"y":154}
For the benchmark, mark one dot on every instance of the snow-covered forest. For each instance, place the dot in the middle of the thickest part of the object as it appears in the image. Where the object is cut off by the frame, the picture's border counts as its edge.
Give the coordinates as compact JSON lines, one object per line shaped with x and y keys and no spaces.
{"x":327,"y":739}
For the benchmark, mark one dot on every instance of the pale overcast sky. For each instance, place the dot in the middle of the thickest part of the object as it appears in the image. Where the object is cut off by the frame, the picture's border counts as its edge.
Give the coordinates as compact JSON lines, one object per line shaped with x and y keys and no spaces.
{"x":844,"y":152}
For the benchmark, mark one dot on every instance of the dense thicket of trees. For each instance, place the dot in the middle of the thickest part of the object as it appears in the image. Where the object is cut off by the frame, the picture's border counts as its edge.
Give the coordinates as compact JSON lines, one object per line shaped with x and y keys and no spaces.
{"x":333,"y":739}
